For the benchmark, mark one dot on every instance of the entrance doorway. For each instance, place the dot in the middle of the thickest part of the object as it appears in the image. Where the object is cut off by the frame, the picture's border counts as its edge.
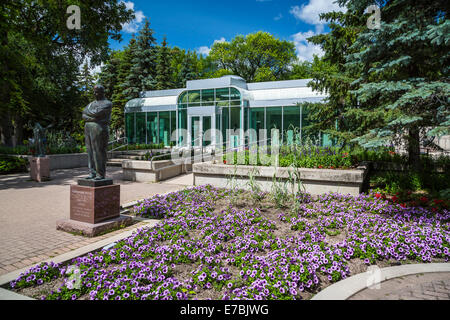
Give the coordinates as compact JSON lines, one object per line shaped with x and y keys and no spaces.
{"x":198,"y":126}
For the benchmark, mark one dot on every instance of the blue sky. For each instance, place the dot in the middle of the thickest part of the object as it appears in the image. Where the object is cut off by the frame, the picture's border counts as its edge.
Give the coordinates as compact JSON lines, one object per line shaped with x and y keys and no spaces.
{"x":197,"y":24}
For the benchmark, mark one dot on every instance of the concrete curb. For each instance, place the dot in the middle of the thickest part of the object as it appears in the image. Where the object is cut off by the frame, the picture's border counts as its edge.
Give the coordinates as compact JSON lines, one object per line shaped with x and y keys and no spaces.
{"x":9,"y":295}
{"x":346,"y":288}
{"x":4,"y":279}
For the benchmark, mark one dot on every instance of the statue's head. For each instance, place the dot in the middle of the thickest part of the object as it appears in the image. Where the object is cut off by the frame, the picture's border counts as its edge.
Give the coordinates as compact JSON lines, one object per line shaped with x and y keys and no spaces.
{"x":99,"y":92}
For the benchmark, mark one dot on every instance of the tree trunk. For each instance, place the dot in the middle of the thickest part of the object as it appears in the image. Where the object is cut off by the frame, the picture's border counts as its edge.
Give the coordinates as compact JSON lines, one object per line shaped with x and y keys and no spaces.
{"x":414,"y":149}
{"x":6,"y":130}
{"x":18,"y":131}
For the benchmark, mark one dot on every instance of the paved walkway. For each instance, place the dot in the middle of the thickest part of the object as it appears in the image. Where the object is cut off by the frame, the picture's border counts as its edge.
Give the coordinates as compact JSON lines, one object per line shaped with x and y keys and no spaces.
{"x":29,"y":211}
{"x":425,"y":286}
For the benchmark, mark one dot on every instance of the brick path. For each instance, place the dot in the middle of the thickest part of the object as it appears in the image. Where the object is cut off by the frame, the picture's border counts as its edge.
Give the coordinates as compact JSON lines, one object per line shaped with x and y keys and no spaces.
{"x":29,"y":211}
{"x":427,"y":286}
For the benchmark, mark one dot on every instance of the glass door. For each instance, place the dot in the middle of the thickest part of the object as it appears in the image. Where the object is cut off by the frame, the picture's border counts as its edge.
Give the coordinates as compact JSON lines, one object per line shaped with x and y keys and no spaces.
{"x":195,"y":129}
{"x":206,"y":125}
{"x":199,"y":125}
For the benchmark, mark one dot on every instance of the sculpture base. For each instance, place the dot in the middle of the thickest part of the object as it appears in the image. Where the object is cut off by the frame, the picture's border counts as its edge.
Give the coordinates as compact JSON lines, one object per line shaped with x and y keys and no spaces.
{"x":40,"y":168}
{"x":95,"y":183}
{"x":92,"y":230}
{"x":94,"y":204}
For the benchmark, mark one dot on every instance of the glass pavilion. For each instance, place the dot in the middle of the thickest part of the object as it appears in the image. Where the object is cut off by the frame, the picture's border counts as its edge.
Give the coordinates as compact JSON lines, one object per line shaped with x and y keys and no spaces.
{"x":222,"y":104}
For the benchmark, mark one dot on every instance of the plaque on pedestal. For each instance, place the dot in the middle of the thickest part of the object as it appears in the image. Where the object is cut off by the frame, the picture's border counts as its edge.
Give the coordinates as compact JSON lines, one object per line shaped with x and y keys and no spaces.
{"x":40,"y":169}
{"x":94,"y":208}
{"x":94,"y":204}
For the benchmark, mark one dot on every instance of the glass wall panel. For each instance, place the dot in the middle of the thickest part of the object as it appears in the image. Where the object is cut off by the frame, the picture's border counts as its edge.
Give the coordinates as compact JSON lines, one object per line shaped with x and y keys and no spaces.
{"x":194,"y":98}
{"x":152,"y":127}
{"x":257,"y":120}
{"x":225,"y":122}
{"x":218,"y":125}
{"x":195,"y":131}
{"x":183,"y":98}
{"x":140,"y":127}
{"x":173,"y":123}
{"x":129,"y":128}
{"x":164,"y":128}
{"x":235,"y":94}
{"x":274,"y":120}
{"x":206,"y":126}
{"x":182,"y":123}
{"x":291,"y":124}
{"x":208,"y":97}
{"x":223,"y":94}
{"x":235,"y":124}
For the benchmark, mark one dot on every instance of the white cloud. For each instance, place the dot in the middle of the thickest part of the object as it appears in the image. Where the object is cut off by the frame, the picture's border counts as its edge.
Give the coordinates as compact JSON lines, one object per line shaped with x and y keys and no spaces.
{"x":278,"y":17}
{"x":305,"y":49}
{"x":309,"y":12}
{"x":133,"y":26}
{"x":92,"y":70}
{"x":206,"y":50}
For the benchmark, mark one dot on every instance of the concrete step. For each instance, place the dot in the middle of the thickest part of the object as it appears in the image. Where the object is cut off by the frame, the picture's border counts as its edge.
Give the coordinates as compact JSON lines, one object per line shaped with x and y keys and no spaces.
{"x":127,"y":156}
{"x":114,"y":162}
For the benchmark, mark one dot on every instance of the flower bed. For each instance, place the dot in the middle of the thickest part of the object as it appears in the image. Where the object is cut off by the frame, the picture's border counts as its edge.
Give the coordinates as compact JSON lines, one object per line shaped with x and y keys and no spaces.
{"x":222,"y":244}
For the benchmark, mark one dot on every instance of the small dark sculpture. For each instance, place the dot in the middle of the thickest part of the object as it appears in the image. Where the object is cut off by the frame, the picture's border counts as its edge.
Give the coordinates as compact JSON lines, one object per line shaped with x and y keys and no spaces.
{"x":97,"y":116}
{"x":39,"y":140}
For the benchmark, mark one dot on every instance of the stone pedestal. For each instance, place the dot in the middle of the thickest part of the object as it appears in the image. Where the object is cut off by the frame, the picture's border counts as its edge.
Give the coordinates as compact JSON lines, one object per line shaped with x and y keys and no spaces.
{"x":40,"y":169}
{"x":94,"y":208}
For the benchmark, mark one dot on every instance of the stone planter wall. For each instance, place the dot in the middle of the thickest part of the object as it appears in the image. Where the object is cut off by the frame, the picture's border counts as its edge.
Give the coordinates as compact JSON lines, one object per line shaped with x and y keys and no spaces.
{"x":66,"y":161}
{"x":145,"y":171}
{"x":314,"y":181}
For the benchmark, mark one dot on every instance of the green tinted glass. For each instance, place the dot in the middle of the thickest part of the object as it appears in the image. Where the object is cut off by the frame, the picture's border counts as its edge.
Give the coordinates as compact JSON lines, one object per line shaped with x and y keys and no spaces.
{"x":207,"y":97}
{"x":223,"y":94}
{"x":194,"y":96}
{"x":235,"y":94}
{"x":291,"y":123}
{"x":164,"y":127}
{"x":273,"y":115}
{"x":140,"y":127}
{"x":129,"y":127}
{"x":152,"y":127}
{"x":183,"y":97}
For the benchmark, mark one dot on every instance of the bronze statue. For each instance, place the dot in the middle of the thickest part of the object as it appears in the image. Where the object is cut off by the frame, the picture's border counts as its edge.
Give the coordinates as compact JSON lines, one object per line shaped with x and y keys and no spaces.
{"x":97,"y":116}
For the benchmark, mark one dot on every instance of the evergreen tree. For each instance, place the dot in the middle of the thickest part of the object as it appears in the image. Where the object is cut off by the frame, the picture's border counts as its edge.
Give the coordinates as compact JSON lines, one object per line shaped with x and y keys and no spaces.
{"x":337,"y":116}
{"x":119,"y":98}
{"x":108,"y":74}
{"x":404,"y":72}
{"x":164,"y":72}
{"x":187,"y":71}
{"x":87,"y":81}
{"x":144,"y":61}
{"x":132,"y":85}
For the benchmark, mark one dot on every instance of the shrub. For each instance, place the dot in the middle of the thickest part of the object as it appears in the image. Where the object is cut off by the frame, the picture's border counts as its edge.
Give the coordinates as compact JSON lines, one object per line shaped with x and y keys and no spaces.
{"x":12,"y":164}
